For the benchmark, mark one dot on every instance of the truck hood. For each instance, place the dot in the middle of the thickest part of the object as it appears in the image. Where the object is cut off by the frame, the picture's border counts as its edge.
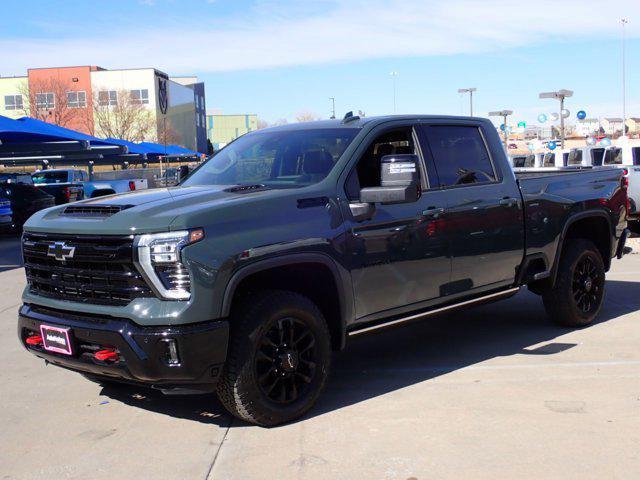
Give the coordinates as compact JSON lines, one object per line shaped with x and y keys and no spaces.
{"x":143,"y":211}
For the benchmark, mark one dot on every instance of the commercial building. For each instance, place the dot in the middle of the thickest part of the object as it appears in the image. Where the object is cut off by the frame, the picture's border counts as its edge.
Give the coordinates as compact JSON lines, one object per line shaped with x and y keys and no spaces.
{"x":141,"y":104}
{"x":200,"y":109}
{"x":12,"y":90}
{"x":587,"y":126}
{"x":222,"y":129}
{"x":611,"y":125}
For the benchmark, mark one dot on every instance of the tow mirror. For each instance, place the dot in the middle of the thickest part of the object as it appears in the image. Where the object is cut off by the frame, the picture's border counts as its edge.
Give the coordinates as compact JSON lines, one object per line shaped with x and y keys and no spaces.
{"x":400,"y":181}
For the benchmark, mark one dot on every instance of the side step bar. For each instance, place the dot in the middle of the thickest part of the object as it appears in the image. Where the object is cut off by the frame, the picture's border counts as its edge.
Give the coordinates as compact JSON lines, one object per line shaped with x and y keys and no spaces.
{"x":497,"y":295}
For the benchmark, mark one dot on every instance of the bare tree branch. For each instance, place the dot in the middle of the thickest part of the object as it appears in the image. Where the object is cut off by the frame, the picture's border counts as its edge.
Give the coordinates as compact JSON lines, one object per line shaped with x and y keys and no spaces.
{"x":128,"y":120}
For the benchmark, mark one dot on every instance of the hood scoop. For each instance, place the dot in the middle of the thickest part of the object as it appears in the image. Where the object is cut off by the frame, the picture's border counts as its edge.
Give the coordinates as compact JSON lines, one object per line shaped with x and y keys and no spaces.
{"x":245,"y":188}
{"x":93,"y":211}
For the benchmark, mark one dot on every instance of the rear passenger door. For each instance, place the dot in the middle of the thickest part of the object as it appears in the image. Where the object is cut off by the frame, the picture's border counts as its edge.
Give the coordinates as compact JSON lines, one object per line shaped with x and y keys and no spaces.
{"x":484,"y":217}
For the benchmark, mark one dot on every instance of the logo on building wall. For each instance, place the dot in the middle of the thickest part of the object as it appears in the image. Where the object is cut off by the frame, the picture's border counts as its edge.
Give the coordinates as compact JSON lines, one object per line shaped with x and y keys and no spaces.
{"x":163,"y":96}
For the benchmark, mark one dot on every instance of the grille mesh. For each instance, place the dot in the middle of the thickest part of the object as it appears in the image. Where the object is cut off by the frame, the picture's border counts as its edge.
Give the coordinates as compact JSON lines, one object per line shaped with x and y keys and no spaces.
{"x":101,"y":270}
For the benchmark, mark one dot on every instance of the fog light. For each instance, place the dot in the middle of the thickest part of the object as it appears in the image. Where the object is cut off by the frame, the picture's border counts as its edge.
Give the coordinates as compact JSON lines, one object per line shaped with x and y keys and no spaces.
{"x":171,"y":357}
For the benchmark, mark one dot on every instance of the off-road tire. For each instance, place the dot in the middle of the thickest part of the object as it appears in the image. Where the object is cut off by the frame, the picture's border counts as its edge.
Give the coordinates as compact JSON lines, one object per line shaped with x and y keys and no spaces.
{"x":562,"y":302}
{"x":239,"y":388}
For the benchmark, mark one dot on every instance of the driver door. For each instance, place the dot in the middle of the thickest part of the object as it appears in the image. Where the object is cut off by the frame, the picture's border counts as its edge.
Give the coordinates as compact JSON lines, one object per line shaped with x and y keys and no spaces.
{"x":398,"y":256}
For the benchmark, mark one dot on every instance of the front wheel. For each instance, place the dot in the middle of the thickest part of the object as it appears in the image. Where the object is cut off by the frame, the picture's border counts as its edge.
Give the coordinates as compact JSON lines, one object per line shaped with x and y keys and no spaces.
{"x":577,"y":297}
{"x":278,"y":361}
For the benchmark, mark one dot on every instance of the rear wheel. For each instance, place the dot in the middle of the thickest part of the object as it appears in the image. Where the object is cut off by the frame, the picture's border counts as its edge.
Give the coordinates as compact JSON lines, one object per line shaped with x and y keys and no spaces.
{"x":577,"y":297}
{"x":278,"y":361}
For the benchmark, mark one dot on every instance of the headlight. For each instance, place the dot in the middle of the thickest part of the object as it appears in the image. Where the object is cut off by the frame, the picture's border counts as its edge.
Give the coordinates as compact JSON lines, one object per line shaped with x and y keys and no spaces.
{"x":160,"y":262}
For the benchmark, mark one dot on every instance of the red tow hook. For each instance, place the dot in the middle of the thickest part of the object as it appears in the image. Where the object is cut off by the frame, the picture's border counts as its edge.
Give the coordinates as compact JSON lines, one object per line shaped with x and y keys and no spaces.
{"x":106,"y":355}
{"x":34,"y":340}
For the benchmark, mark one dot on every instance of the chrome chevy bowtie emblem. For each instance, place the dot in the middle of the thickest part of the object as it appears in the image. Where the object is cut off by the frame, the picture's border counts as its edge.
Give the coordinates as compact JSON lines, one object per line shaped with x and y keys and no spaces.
{"x":61,"y":251}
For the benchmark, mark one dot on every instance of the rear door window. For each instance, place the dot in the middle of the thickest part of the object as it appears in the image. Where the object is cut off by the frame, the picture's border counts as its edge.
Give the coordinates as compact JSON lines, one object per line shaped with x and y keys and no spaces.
{"x":460,"y":155}
{"x":50,"y":177}
{"x":635,"y":153}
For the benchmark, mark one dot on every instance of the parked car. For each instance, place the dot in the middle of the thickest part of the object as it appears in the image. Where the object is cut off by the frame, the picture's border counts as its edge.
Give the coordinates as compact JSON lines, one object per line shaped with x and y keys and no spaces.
{"x":555,"y":159}
{"x":588,"y":156}
{"x":628,"y":158}
{"x":531,"y":160}
{"x":6,"y":214}
{"x":70,"y":185}
{"x":25,"y":199}
{"x":293,"y":239}
{"x":64,"y":185}
{"x":173,"y":176}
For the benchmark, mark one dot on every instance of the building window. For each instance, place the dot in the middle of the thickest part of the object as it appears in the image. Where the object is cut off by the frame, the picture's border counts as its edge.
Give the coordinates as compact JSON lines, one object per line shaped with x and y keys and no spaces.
{"x":140,"y":96}
{"x":76,"y":99}
{"x":197,"y":120}
{"x":107,"y":98}
{"x":13,"y":102}
{"x":45,"y":101}
{"x":203,"y":122}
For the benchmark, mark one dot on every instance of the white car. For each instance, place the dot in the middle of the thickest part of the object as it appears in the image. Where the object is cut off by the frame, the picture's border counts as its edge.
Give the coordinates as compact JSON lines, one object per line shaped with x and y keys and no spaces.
{"x":590,"y":156}
{"x":554,"y":159}
{"x":628,"y":157}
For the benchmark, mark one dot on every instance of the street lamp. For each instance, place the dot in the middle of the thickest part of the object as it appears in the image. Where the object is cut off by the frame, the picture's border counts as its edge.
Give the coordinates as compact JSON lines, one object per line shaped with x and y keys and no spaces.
{"x":559,"y":95}
{"x":504,"y":114}
{"x":394,"y":74}
{"x":470,"y":92}
{"x":623,"y":22}
{"x":333,"y":108}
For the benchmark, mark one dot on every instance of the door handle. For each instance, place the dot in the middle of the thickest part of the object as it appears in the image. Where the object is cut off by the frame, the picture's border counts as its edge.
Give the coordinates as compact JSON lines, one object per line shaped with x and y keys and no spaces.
{"x":433,"y":212}
{"x":507,"y":202}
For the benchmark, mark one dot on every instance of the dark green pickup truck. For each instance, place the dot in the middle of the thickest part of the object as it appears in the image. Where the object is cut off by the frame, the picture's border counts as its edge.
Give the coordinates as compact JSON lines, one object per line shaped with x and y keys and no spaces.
{"x":244,"y":278}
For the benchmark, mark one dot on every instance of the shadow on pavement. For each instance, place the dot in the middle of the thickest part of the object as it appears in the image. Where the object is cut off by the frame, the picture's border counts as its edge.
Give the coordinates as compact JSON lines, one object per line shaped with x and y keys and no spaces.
{"x":382,"y":362}
{"x":10,"y":252}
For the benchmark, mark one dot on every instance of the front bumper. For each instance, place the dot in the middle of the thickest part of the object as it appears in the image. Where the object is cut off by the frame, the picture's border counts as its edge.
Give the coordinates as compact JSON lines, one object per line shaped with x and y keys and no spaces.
{"x":142,"y":351}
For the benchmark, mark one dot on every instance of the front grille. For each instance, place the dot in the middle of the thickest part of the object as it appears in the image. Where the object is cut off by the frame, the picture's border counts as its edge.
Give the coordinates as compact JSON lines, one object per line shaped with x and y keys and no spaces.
{"x":93,"y":211}
{"x":100,"y":271}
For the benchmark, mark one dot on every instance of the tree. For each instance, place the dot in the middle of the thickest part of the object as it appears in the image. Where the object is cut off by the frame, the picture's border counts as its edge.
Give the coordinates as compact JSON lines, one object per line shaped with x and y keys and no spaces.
{"x":167,"y":135}
{"x":210,"y":149}
{"x":280,"y":121}
{"x":307,"y":116}
{"x":123,"y":117}
{"x":262,"y":124}
{"x":46,"y":100}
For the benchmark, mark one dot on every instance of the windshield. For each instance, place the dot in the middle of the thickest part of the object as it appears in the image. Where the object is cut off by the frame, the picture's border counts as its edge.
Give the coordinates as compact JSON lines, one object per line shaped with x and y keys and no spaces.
{"x":50,"y":177}
{"x":15,"y":178}
{"x":280,"y":159}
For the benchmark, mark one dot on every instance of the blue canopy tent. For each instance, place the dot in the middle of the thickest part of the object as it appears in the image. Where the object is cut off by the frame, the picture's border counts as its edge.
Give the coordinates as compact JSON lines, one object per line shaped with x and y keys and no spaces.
{"x":27,"y":141}
{"x":169,"y":150}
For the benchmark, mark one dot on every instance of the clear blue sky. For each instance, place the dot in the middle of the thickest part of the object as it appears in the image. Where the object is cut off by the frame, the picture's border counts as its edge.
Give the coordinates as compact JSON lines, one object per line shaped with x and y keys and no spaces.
{"x":279,"y":57}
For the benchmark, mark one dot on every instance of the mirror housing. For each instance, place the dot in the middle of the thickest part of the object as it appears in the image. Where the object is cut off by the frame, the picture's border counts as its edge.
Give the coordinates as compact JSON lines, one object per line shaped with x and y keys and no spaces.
{"x":399,"y":181}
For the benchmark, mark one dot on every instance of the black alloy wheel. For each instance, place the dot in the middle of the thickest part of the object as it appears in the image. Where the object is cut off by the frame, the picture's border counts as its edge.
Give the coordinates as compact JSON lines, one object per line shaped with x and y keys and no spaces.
{"x":588,"y":285}
{"x":578,"y":293}
{"x":286,"y":360}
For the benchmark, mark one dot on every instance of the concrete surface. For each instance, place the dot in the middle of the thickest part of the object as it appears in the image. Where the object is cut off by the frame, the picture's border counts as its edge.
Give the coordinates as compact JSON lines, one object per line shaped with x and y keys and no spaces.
{"x":491,"y":393}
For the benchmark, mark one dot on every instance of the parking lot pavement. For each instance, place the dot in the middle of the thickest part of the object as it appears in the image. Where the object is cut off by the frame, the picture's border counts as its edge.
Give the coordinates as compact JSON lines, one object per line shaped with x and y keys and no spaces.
{"x":495,"y":392}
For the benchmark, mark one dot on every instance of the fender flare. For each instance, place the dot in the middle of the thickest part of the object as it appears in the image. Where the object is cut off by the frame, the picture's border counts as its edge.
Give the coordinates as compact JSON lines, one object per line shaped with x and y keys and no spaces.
{"x":340,"y":276}
{"x":570,"y":221}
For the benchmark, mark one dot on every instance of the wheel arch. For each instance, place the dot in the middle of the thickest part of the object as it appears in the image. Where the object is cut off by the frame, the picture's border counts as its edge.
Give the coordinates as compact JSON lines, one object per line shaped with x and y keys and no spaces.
{"x":593,"y":225}
{"x":314,"y":275}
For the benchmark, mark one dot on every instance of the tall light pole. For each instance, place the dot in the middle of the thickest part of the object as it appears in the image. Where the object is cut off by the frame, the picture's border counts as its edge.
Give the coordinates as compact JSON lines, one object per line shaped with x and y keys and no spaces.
{"x":470,"y":92}
{"x":623,"y":22}
{"x":394,"y":74}
{"x":559,"y":95}
{"x":333,"y":107}
{"x":504,"y":114}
